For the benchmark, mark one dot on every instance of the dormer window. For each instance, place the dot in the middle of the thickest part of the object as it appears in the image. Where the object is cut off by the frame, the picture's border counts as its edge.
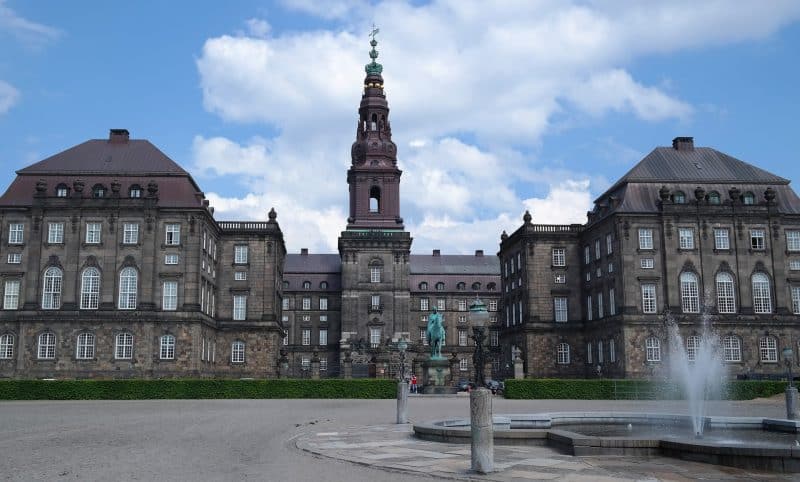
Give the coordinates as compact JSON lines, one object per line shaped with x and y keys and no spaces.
{"x":99,"y":191}
{"x":461,"y":286}
{"x":135,"y":191}
{"x":423,"y":286}
{"x":749,"y":198}
{"x":713,"y":197}
{"x":306,"y":285}
{"x":62,"y":190}
{"x":679,"y":197}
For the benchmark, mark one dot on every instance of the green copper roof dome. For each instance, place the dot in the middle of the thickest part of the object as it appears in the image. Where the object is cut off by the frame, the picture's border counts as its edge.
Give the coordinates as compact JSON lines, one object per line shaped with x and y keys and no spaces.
{"x":373,"y":68}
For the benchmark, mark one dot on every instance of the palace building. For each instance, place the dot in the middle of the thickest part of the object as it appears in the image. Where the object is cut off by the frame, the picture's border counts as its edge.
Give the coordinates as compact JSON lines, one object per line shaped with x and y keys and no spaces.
{"x":113,"y":265}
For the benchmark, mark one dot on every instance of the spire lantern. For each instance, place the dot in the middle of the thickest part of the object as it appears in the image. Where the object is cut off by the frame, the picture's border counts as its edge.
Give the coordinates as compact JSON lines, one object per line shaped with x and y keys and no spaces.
{"x":373,"y":68}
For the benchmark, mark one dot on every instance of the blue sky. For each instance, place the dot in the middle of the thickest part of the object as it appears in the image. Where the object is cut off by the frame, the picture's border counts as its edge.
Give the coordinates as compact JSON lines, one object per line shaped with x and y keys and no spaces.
{"x":534,"y":105}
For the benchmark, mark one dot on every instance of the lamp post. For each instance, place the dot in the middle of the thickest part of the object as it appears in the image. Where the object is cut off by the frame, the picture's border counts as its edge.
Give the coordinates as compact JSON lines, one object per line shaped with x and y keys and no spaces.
{"x":402,"y":384}
{"x":791,"y":390}
{"x":480,"y":399}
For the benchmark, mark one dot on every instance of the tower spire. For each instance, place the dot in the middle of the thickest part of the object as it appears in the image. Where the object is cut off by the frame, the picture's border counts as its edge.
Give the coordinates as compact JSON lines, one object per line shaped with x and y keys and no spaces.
{"x":373,"y":68}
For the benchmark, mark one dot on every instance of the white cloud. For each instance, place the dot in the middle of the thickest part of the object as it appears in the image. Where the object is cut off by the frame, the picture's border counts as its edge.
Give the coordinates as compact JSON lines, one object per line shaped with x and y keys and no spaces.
{"x":29,"y":33}
{"x":8,"y":96}
{"x":473,"y":90}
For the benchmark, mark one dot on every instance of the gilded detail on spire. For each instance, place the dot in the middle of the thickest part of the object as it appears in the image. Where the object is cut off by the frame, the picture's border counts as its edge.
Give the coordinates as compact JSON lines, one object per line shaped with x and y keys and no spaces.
{"x":373,"y":68}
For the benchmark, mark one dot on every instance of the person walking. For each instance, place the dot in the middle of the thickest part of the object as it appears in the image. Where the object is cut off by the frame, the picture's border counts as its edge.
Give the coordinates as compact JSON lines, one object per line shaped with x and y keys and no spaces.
{"x":413,"y":383}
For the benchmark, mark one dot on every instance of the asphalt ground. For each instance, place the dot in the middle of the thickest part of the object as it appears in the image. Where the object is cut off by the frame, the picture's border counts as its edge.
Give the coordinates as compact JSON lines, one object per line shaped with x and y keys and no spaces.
{"x":237,"y":439}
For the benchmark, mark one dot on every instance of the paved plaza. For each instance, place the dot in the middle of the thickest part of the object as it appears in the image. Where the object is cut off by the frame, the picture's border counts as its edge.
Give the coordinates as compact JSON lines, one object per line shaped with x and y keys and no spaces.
{"x":305,"y":440}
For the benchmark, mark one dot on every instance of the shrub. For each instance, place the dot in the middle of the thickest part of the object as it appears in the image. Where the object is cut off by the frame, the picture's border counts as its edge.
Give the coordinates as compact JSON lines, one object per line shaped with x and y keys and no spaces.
{"x":191,"y":389}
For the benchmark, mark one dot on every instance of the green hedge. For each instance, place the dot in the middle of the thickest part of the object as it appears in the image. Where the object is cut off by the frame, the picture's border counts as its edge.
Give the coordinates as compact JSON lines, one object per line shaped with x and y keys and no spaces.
{"x":602,"y":389}
{"x":191,"y":389}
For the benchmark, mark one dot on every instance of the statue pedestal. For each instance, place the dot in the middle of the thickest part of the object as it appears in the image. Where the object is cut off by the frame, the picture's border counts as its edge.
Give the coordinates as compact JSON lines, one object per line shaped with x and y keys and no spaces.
{"x":435,"y":377}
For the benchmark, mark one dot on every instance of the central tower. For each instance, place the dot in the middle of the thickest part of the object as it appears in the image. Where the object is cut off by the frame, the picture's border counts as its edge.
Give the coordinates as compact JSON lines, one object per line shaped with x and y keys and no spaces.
{"x":374,"y":247}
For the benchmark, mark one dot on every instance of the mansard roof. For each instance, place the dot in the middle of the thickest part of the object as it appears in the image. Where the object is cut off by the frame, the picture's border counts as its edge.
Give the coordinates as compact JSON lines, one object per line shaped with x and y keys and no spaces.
{"x":312,"y":263}
{"x":454,"y":264}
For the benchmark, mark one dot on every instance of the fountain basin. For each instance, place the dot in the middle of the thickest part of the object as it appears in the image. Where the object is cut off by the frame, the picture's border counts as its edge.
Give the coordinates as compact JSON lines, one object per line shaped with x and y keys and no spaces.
{"x":745,"y":442}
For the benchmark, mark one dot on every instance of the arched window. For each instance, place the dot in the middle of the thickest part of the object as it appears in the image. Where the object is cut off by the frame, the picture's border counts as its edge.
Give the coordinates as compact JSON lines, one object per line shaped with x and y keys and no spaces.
{"x":306,"y":285}
{"x":491,"y":286}
{"x":6,"y":346}
{"x":123,"y":346}
{"x":373,"y":124}
{"x":762,"y":299}
{"x":128,"y":288}
{"x":323,"y":285}
{"x":98,"y":190}
{"x":768,"y":349}
{"x":51,"y":291}
{"x":439,"y":286}
{"x":713,"y":197}
{"x":237,"y":352}
{"x":47,"y":346}
{"x":374,"y":199}
{"x":167,"y":351}
{"x":135,"y":191}
{"x":563,"y":354}
{"x":423,"y":286}
{"x":692,"y":347}
{"x":749,"y":198}
{"x":85,"y":347}
{"x":732,"y":347}
{"x":286,"y":285}
{"x":653,"y":348}
{"x":690,"y":296}
{"x":726,"y":301}
{"x":476,"y":286}
{"x":461,"y":286}
{"x":62,"y":190}
{"x":90,"y":289}
{"x":679,"y":197}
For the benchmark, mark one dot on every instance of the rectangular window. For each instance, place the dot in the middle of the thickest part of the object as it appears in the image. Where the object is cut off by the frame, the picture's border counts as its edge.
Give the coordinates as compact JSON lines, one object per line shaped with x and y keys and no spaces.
{"x":796,"y":300}
{"x":494,"y":338}
{"x":757,"y":239}
{"x":600,"y":351}
{"x":686,"y":238}
{"x":375,"y":337}
{"x":306,"y":336}
{"x":423,"y":336}
{"x":492,"y":305}
{"x":240,"y":254}
{"x":55,"y":233}
{"x":323,"y":364}
{"x":441,"y":304}
{"x":170,"y":296}
{"x":462,"y":305}
{"x":612,"y":302}
{"x":285,"y":303}
{"x":559,"y":257}
{"x":85,"y":347}
{"x":769,"y":349}
{"x":793,"y":240}
{"x":305,"y":363}
{"x":610,"y":268}
{"x":462,"y":318}
{"x":171,"y":259}
{"x":600,"y":313}
{"x":559,"y":278}
{"x":721,"y":239}
{"x":124,"y":346}
{"x":463,"y":365}
{"x":173,"y":234}
{"x":375,"y":302}
{"x":323,"y":337}
{"x":323,"y":318}
{"x":14,"y":258}
{"x":597,"y":250}
{"x":15,"y":233}
{"x":240,"y":276}
{"x":732,"y":349}
{"x":11,"y":298}
{"x":462,"y":337}
{"x":587,"y":255}
{"x":167,"y":351}
{"x":609,"y":244}
{"x":560,"y":309}
{"x":285,"y":337}
{"x":239,"y":307}
{"x":649,"y":298}
{"x":375,"y":274}
{"x":647,"y":263}
{"x":93,"y":233}
{"x":562,"y":354}
{"x":323,"y":304}
{"x":589,"y":352}
{"x":598,"y":273}
{"x":612,"y":355}
{"x":645,"y":238}
{"x":130,"y":233}
{"x":423,"y":304}
{"x":306,"y":303}
{"x":589,"y":307}
{"x":794,"y":264}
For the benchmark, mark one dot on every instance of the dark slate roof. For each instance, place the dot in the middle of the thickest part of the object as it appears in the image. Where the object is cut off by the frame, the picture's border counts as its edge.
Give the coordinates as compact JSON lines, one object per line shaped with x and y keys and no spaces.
{"x":312,"y":263}
{"x":451,"y":283}
{"x":296,"y":280}
{"x":137,"y":157}
{"x":454,"y":264}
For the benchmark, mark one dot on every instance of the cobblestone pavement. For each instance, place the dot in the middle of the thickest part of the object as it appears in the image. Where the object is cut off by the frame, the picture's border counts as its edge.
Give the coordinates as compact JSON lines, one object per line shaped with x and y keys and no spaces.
{"x":394,"y":448}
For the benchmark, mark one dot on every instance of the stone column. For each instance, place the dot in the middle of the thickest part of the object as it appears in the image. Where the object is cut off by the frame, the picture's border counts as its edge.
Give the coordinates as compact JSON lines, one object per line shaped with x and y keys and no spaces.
{"x":402,"y":401}
{"x":480,"y":410}
{"x":283,"y":365}
{"x":315,"y":365}
{"x":519,"y":372}
{"x":347,"y":367}
{"x":791,"y":403}
{"x":487,"y":370}
{"x":455,"y":371}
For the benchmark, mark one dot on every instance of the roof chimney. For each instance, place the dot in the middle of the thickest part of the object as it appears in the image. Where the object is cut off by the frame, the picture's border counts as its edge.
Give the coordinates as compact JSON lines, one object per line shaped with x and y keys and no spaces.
{"x":304,"y":251}
{"x":479,"y":253}
{"x":118,"y":136}
{"x":683,"y":143}
{"x":436,"y":252}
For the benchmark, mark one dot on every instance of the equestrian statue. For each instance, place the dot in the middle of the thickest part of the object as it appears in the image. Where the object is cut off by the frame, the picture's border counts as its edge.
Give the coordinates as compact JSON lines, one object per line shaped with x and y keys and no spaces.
{"x":435,"y":334}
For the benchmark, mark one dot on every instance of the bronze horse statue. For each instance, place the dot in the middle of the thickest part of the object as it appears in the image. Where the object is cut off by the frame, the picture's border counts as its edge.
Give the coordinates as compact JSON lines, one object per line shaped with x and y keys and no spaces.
{"x":435,"y":334}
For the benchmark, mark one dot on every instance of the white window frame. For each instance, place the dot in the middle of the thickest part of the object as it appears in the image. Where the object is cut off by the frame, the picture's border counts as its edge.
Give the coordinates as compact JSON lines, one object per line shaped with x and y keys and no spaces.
{"x":562,"y":354}
{"x":305,"y":336}
{"x":6,"y":346}
{"x":795,"y":299}
{"x":323,"y":336}
{"x":686,"y":238}
{"x":692,"y":347}
{"x":492,"y":305}
{"x":649,"y":298}
{"x":462,"y":337}
{"x":11,"y":294}
{"x":172,"y":234}
{"x":128,"y":289}
{"x":793,"y":240}
{"x":84,"y":348}
{"x":16,"y":233}
{"x":55,"y":233}
{"x":240,"y":275}
{"x":597,"y":249}
{"x":463,"y":365}
{"x":589,"y":359}
{"x":726,"y":297}
{"x":14,"y":258}
{"x":166,"y":347}
{"x":240,"y":252}
{"x":93,"y":232}
{"x":794,"y":264}
{"x":609,"y":244}
{"x":423,"y":303}
{"x":732,"y":348}
{"x":90,"y":289}
{"x":306,"y":303}
{"x":374,"y":337}
{"x":239,"y":307}
{"x":587,"y":255}
{"x":600,"y":313}
{"x":46,"y":346}
{"x":612,"y":302}
{"x":560,"y":309}
{"x":645,"y":238}
{"x":690,"y":292}
{"x":462,"y":305}
{"x":758,"y":239}
{"x":441,"y":304}
{"x":323,"y":303}
{"x":375,"y":274}
{"x":653,"y":349}
{"x":123,"y":346}
{"x":130,"y":233}
{"x":762,"y":294}
{"x":559,"y":257}
{"x":768,"y":349}
{"x":559,"y":278}
{"x":51,"y":289}
{"x":612,"y":351}
{"x":600,"y":352}
{"x":722,"y":239}
{"x":169,"y":296}
{"x":237,"y":351}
